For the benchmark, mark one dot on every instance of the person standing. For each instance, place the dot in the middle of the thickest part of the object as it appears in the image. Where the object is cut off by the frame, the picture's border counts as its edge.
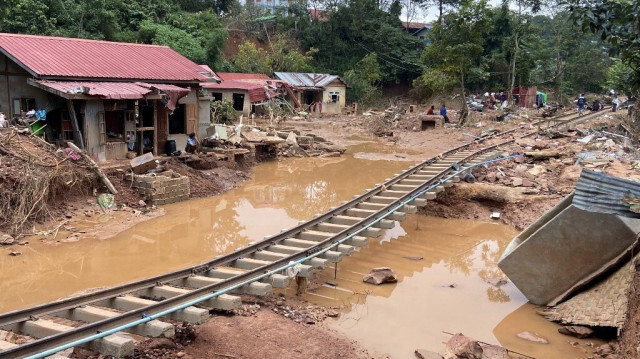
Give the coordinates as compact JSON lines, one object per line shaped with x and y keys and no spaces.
{"x":616,"y":103}
{"x":443,"y":113}
{"x":582,"y":102}
{"x":431,"y":110}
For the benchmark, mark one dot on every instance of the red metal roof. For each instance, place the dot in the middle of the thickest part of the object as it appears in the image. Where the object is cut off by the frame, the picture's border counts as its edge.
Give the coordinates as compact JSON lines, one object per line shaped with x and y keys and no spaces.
{"x":57,"y":57}
{"x":110,"y":90}
{"x":257,"y":93}
{"x":226,"y":76}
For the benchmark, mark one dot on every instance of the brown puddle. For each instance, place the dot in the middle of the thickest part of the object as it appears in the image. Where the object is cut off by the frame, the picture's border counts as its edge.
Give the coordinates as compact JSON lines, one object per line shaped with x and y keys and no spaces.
{"x":280,"y":194}
{"x":447,"y":290}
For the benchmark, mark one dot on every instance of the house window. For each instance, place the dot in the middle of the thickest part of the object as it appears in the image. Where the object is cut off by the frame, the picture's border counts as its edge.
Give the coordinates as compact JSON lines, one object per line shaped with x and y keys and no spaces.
{"x":23,"y":104}
{"x":334,"y":96}
{"x":216,"y":96}
{"x":238,"y":101}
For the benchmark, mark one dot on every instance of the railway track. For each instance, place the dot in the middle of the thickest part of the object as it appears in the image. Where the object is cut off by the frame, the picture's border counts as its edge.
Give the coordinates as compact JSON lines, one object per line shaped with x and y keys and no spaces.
{"x":92,"y":320}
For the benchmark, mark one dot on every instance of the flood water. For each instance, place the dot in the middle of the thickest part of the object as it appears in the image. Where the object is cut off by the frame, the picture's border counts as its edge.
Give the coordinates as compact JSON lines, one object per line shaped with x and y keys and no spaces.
{"x":447,"y":276}
{"x":280,"y":194}
{"x":443,"y":265}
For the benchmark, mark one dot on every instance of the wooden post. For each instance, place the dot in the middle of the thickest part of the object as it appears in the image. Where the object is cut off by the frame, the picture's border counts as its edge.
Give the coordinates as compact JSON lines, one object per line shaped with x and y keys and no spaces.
{"x":155,"y":130}
{"x":95,"y":167}
{"x":77,"y":135}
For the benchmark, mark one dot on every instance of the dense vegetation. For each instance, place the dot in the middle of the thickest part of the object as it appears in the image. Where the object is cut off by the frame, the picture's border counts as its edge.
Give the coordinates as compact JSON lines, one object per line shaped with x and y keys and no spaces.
{"x":473,"y":46}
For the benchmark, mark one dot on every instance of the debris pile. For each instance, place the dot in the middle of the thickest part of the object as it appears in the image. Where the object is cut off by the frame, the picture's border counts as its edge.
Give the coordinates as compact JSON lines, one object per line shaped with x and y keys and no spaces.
{"x":34,"y":174}
{"x":236,"y":141}
{"x":463,"y":347}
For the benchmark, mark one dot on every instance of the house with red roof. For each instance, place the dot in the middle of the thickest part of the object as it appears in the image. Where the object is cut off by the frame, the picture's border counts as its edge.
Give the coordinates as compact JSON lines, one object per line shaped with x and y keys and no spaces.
{"x":109,"y":98}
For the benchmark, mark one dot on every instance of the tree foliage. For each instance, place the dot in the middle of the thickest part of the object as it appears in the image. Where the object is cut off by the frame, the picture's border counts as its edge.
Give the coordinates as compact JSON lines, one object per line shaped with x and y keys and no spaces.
{"x":199,"y":36}
{"x":616,"y":22}
{"x":457,"y":46}
{"x":363,"y":80}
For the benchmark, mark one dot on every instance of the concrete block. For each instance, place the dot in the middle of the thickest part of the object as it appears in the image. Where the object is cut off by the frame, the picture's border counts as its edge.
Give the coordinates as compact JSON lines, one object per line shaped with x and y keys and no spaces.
{"x":269,"y":256}
{"x":90,"y":314}
{"x":345,"y":249}
{"x":249,"y":263}
{"x":317,"y":263}
{"x":370,"y":206}
{"x":278,"y":281}
{"x":293,"y":242}
{"x":315,"y":236}
{"x":336,"y":228}
{"x":255,"y":288}
{"x":115,"y":345}
{"x":126,"y":303}
{"x":223,"y":302}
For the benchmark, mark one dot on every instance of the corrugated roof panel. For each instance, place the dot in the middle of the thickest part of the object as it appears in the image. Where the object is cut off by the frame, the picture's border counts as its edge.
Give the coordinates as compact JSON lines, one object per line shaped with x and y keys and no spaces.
{"x":599,"y":192}
{"x":106,"y":90}
{"x":79,"y":58}
{"x":111,"y":90}
{"x":307,"y":80}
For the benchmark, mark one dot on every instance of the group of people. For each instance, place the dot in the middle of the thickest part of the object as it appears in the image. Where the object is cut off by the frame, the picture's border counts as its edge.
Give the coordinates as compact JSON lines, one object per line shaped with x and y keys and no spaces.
{"x":597,"y":104}
{"x":443,"y":112}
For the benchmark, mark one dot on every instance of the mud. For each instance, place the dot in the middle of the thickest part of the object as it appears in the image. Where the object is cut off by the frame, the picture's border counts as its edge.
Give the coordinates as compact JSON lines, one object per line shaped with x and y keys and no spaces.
{"x":448,"y":281}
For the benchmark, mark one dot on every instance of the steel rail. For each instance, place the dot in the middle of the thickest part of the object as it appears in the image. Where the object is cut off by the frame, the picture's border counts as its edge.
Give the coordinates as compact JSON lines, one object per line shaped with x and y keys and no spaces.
{"x":160,"y":306}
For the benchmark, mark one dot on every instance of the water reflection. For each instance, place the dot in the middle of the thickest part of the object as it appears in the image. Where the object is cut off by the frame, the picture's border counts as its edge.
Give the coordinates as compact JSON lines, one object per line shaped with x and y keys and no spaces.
{"x":448,"y":282}
{"x":280,"y":194}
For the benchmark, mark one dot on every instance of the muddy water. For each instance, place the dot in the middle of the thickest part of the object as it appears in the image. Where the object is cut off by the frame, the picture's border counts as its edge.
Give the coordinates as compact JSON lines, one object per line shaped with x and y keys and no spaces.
{"x":445,"y":269}
{"x":280,"y":194}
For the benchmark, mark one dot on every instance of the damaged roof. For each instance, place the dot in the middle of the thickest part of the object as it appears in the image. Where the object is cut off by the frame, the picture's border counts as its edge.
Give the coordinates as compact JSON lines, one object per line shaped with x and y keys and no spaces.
{"x":599,"y":192}
{"x":257,"y":92}
{"x":80,"y":59}
{"x":107,"y":90}
{"x":308,"y":80}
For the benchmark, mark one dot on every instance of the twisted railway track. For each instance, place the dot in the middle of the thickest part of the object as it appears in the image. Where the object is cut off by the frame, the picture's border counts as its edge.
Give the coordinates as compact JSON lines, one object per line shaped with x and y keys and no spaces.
{"x":92,"y":319}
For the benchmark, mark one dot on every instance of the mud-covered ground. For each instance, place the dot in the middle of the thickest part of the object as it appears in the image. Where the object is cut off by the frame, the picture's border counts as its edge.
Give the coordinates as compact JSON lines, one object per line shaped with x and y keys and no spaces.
{"x":520,"y":190}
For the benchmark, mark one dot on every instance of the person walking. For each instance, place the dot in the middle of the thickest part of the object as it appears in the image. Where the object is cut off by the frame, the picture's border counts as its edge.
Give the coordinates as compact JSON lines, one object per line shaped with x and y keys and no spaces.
{"x":582,"y":102}
{"x":443,"y":113}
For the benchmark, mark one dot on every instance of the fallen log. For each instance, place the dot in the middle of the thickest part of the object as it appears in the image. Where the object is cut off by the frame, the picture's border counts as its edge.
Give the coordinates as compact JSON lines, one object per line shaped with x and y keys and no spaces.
{"x":542,"y":155}
{"x":95,"y":167}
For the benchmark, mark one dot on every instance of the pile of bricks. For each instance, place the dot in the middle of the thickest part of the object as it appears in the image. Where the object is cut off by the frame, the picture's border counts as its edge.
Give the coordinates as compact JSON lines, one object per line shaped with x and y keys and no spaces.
{"x":162,"y":188}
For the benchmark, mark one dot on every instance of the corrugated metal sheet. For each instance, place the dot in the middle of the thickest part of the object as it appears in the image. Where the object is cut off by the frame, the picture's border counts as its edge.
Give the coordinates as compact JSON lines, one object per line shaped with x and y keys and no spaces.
{"x":90,"y":59}
{"x":307,"y":80}
{"x":113,"y":90}
{"x":105,"y":90}
{"x":599,"y":192}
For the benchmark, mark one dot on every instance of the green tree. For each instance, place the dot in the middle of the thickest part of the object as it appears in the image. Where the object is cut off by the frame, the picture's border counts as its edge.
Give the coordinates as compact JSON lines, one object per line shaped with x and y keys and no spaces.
{"x":620,"y":77}
{"x":27,"y":16}
{"x":617,"y":22}
{"x":252,"y":59}
{"x":363,"y":80}
{"x":457,"y":53}
{"x":285,"y":58}
{"x":177,"y":39}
